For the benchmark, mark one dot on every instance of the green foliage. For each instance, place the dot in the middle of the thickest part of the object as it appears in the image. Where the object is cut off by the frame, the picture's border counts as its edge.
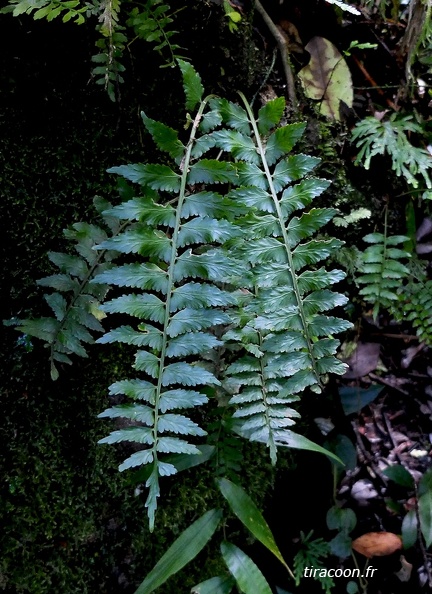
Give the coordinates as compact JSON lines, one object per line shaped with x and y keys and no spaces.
{"x":414,"y":305}
{"x":48,"y":9}
{"x":75,"y":301}
{"x":286,"y":337}
{"x":311,"y":554}
{"x":179,"y":301}
{"x":383,"y":271}
{"x":375,"y":137}
{"x":247,"y":575}
{"x":220,"y":284}
{"x":182,"y":551}
{"x":150,"y":22}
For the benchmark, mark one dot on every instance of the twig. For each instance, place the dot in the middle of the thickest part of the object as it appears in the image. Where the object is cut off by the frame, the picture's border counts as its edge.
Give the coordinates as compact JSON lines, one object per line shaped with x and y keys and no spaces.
{"x":381,"y":380}
{"x":283,"y":49}
{"x":374,"y":84}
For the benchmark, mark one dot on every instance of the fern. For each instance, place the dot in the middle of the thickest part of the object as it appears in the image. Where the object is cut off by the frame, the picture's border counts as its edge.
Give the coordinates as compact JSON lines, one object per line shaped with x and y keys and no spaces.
{"x":311,"y":556}
{"x":112,"y":44}
{"x":414,"y":303}
{"x":179,"y":300}
{"x":48,"y":9}
{"x":383,"y":270}
{"x":376,"y":137}
{"x":152,"y":23}
{"x":75,"y":301}
{"x":287,"y":337}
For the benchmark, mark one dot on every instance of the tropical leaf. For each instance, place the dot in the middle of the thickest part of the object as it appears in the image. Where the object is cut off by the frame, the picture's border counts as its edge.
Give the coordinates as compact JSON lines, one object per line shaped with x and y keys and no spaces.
{"x":185,"y":548}
{"x":248,"y":577}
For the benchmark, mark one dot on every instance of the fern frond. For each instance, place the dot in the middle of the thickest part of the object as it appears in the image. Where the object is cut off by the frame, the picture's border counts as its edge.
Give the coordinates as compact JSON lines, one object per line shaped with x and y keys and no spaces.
{"x":414,"y":302}
{"x":383,"y":270}
{"x":179,"y":304}
{"x":77,"y":298}
{"x":284,"y":323}
{"x":376,"y":137}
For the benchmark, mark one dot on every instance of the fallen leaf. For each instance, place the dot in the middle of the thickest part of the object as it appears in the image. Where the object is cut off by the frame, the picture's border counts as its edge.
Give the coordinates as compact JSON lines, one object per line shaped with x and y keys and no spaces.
{"x":377,"y":544}
{"x":363,"y":490}
{"x":327,"y":77}
{"x":364,"y":360}
{"x":404,"y":573}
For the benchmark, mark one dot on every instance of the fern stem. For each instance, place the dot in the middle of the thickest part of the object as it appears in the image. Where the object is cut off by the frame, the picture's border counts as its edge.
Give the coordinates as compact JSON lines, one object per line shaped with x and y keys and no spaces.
{"x":285,"y":238}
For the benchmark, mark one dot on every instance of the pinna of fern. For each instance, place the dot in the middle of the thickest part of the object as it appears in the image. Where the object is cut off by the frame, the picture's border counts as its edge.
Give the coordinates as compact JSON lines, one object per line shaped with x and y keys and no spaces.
{"x":288,"y":340}
{"x":174,"y":291}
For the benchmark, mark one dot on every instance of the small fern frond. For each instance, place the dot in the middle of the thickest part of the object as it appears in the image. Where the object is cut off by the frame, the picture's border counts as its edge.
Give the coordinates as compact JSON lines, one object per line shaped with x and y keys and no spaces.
{"x":376,"y":137}
{"x":283,"y":326}
{"x":383,"y":270}
{"x":414,"y":303}
{"x":76,"y":300}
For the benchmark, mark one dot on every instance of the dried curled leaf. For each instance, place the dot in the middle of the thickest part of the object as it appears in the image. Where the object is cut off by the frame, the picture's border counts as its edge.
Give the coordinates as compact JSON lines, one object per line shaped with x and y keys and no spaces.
{"x":327,"y":77}
{"x":377,"y":544}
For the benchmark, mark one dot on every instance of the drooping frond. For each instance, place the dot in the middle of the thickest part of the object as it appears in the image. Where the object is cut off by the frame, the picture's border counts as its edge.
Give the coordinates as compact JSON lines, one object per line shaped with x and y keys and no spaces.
{"x":75,"y":300}
{"x":285,"y":328}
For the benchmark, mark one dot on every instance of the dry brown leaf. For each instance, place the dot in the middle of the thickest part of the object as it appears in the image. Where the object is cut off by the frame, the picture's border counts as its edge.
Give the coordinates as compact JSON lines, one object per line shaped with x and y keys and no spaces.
{"x":377,"y":544}
{"x":404,"y":573}
{"x":327,"y":77}
{"x":364,"y":360}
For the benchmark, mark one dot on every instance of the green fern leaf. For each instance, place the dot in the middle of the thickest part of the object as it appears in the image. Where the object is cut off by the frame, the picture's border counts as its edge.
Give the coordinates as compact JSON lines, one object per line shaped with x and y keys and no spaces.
{"x":282,"y":141}
{"x":143,"y":306}
{"x":136,"y":389}
{"x":253,"y":197}
{"x":157,"y":177}
{"x":232,"y":115}
{"x":164,"y":137}
{"x":147,"y":336}
{"x":192,"y":84}
{"x":201,"y":295}
{"x":251,"y":175}
{"x":241,"y":147}
{"x":75,"y":300}
{"x":206,"y":230}
{"x":145,"y":209}
{"x":270,"y":115}
{"x":193,"y":343}
{"x":140,"y":276}
{"x":208,"y":171}
{"x":188,"y":319}
{"x":285,"y":318}
{"x":383,"y":271}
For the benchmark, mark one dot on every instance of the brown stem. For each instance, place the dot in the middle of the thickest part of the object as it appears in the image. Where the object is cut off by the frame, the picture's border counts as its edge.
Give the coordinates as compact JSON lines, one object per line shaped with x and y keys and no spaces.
{"x":283,"y":49}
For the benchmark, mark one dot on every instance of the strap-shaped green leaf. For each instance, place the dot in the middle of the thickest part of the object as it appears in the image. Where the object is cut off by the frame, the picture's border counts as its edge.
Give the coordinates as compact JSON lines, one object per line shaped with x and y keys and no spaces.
{"x":215,"y":585}
{"x":185,"y":548}
{"x":249,"y":514}
{"x":248,"y":577}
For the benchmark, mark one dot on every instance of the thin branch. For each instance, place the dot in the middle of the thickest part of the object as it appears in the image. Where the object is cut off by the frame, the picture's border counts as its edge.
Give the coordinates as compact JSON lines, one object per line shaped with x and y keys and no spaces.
{"x":284,"y":52}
